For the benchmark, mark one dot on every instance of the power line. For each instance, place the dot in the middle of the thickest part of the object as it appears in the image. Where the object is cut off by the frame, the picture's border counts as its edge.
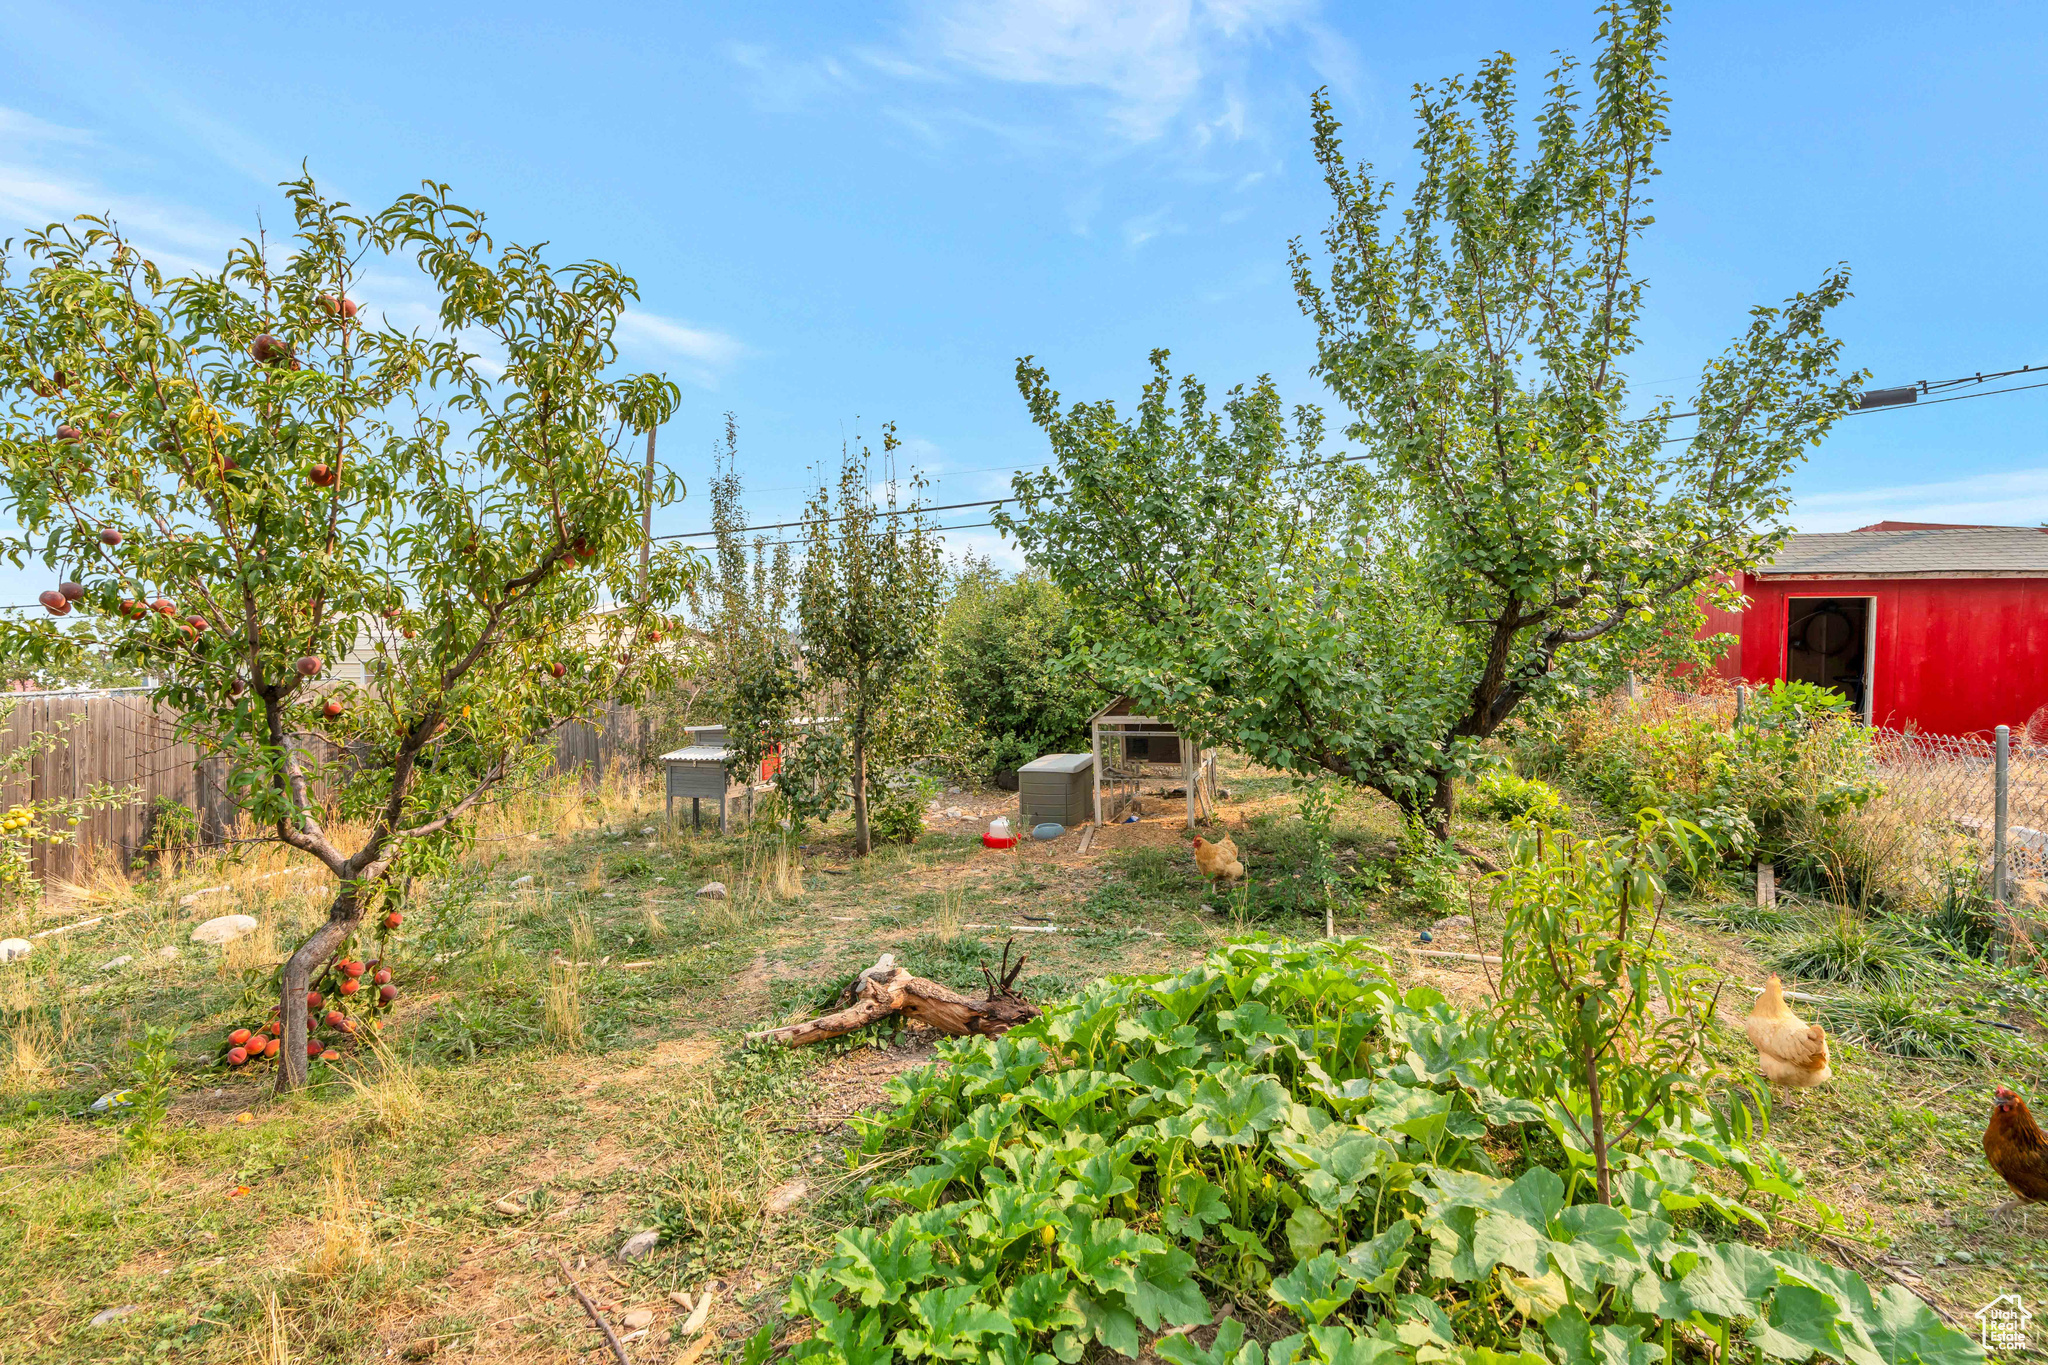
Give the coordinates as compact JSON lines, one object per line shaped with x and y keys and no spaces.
{"x":1924,"y":386}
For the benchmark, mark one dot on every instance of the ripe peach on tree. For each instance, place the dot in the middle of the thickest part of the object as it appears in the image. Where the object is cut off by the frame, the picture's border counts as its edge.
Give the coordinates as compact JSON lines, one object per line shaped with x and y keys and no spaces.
{"x":521,"y":458}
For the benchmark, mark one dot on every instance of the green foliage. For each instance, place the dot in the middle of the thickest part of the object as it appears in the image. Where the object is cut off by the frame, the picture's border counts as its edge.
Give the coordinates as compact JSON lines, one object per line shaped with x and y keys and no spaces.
{"x":1906,"y":1020}
{"x":1602,"y":1023}
{"x":250,"y":478}
{"x":1781,"y":786}
{"x":740,"y":609}
{"x":1501,"y":795}
{"x":149,"y":1097}
{"x":173,"y":831}
{"x":1862,"y":950}
{"x":864,"y":694}
{"x":1515,"y":532}
{"x":1281,"y":1123}
{"x":1005,"y":644}
{"x":898,"y":814}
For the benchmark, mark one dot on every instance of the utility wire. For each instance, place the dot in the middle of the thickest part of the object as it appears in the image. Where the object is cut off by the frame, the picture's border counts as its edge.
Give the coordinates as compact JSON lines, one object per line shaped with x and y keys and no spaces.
{"x":1923,"y":386}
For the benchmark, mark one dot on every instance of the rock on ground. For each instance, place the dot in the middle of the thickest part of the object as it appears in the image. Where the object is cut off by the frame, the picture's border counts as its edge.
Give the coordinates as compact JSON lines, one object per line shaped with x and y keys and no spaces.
{"x":638,"y":1245}
{"x":222,"y":930}
{"x":712,"y":891}
{"x":15,"y":949}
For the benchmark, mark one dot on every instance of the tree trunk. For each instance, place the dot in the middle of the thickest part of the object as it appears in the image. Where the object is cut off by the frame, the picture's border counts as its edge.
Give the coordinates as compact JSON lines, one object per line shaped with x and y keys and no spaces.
{"x":1443,"y":805}
{"x":862,"y":843}
{"x":342,"y":919}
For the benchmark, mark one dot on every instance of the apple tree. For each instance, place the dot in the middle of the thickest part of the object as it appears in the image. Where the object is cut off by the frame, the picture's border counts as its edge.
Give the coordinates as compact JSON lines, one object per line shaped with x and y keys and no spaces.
{"x":241,"y":477}
{"x":1509,"y":527}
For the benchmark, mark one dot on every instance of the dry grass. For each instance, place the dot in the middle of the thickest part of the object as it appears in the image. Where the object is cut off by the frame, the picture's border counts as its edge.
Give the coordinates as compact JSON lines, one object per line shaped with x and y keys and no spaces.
{"x":562,"y":1006}
{"x":657,"y":927}
{"x":951,"y":914}
{"x":390,"y":1095}
{"x":345,"y":1241}
{"x":101,"y":885}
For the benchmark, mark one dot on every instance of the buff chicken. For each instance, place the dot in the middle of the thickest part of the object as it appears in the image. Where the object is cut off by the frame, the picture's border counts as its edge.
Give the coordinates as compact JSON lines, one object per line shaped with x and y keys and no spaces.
{"x":1789,"y":1050}
{"x":2016,"y":1150}
{"x":1218,"y":860}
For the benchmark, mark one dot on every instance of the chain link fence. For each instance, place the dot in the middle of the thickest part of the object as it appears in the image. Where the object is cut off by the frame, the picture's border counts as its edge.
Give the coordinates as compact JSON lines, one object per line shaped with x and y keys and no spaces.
{"x":1948,"y":809}
{"x":1972,"y":803}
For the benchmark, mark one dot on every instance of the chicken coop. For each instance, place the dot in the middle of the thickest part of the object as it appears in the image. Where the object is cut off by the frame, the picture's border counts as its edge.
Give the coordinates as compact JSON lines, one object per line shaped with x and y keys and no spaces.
{"x":1131,"y":749}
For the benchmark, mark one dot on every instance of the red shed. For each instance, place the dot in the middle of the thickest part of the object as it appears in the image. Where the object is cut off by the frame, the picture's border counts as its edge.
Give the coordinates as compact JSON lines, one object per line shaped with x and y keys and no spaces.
{"x":1938,"y":628}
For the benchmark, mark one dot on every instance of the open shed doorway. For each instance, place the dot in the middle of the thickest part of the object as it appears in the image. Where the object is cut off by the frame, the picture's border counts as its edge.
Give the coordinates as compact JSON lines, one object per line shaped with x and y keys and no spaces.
{"x":1828,"y":643}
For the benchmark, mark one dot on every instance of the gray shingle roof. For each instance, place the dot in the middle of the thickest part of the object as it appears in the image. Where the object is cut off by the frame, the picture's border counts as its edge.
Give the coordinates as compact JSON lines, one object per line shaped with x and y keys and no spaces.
{"x":2000,"y":550}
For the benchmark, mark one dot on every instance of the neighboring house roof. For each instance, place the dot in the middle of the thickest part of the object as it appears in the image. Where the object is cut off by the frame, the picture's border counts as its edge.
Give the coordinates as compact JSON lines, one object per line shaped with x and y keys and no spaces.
{"x":1927,"y":552}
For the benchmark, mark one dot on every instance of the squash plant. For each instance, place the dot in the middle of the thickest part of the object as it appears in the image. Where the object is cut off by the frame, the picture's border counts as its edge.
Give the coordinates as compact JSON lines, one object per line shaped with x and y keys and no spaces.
{"x":1282,"y":1129}
{"x":241,"y":478}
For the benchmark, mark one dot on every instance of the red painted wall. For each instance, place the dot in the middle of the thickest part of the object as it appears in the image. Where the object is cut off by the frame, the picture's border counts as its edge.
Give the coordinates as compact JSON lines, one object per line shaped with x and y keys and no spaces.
{"x":1954,"y":656}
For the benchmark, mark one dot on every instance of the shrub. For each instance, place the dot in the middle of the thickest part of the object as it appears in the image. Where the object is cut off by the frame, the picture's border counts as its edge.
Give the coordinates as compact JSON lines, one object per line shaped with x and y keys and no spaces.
{"x":1504,"y":796}
{"x":1282,"y":1124}
{"x":1788,"y":785}
{"x":898,"y":814}
{"x":1003,"y":644}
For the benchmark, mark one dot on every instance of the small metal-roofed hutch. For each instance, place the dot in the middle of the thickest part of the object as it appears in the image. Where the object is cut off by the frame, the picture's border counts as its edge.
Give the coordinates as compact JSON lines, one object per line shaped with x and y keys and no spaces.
{"x":1131,"y":748}
{"x":697,"y":770}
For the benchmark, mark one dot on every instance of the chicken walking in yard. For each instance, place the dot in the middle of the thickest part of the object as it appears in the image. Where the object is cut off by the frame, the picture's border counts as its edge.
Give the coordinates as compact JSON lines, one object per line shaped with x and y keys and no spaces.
{"x":2016,"y":1150}
{"x":1218,"y":860}
{"x":1789,"y":1050}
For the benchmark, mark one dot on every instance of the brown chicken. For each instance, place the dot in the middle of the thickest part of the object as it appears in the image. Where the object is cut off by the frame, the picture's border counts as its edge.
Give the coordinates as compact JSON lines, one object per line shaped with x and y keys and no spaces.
{"x":1789,"y":1050}
{"x":2016,"y":1150}
{"x":1218,"y":859}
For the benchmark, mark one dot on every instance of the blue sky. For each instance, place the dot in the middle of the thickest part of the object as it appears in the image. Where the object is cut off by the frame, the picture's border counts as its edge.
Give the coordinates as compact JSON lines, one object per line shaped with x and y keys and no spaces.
{"x":845,"y":214}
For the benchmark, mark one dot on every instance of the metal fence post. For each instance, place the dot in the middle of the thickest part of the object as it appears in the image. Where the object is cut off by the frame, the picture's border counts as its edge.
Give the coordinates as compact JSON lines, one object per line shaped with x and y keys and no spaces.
{"x":2001,"y":772}
{"x":1631,"y":684}
{"x":1741,"y":702}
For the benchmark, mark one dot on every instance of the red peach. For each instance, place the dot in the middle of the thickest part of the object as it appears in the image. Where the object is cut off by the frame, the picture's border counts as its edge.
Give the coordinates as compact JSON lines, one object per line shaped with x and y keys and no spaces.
{"x":237,"y":1055}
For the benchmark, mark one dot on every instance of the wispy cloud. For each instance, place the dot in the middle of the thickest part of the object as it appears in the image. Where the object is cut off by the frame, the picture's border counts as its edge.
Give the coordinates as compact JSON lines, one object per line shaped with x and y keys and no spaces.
{"x":17,"y":128}
{"x":1151,"y":61}
{"x":706,"y":354}
{"x":785,"y":84}
{"x":2015,"y":498}
{"x":1142,"y":229}
{"x":176,"y":238}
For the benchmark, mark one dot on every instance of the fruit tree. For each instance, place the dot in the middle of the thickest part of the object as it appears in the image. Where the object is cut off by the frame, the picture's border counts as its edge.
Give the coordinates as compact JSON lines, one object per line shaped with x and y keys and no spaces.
{"x":242,"y":477}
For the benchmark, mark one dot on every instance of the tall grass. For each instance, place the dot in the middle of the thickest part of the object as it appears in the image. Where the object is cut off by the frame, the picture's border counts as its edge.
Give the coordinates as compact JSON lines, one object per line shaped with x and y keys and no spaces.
{"x":390,"y":1095}
{"x":345,"y":1241}
{"x":1850,"y":947}
{"x":562,"y":1006}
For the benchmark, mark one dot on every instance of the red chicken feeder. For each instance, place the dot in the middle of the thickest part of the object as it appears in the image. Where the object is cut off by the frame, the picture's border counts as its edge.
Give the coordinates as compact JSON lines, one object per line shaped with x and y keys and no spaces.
{"x":990,"y":841}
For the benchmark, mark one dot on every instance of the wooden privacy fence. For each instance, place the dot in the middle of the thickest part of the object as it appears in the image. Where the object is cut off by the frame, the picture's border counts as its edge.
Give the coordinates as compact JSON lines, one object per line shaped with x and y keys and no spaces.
{"x":120,"y":739}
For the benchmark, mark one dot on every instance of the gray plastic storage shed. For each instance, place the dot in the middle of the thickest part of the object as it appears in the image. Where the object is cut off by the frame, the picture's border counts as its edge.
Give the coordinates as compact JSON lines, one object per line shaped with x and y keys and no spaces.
{"x":1058,"y":788}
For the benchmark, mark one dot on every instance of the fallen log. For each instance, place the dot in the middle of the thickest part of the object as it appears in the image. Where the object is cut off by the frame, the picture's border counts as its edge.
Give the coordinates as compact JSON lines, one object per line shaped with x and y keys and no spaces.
{"x":887,"y":989}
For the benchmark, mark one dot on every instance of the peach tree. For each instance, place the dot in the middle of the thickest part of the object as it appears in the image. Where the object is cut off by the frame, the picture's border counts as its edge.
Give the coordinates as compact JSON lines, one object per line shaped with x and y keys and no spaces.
{"x":240,"y":480}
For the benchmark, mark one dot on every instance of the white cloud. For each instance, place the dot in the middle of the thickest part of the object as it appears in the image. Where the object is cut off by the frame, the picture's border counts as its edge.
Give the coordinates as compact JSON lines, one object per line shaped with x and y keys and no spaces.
{"x":1142,"y":229}
{"x":177,"y":239}
{"x":2015,"y":498}
{"x":17,"y":128}
{"x":1148,"y":62}
{"x":784,"y":84}
{"x":707,"y":353}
